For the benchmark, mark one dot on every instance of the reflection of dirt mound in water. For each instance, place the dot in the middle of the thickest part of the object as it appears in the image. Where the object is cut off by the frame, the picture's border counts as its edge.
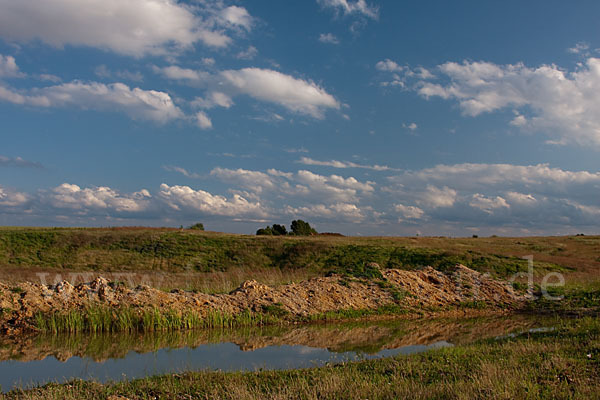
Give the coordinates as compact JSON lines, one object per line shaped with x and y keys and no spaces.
{"x":375,"y":337}
{"x":426,"y":288}
{"x":362,"y":337}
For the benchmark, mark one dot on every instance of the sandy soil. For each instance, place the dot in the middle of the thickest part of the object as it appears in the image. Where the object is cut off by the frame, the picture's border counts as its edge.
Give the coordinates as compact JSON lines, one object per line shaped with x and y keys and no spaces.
{"x":424,"y":289}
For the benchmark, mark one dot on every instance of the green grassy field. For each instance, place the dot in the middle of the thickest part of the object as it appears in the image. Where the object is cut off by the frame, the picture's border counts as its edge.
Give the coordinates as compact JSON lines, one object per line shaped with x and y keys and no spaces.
{"x":563,"y":363}
{"x":218,"y":262}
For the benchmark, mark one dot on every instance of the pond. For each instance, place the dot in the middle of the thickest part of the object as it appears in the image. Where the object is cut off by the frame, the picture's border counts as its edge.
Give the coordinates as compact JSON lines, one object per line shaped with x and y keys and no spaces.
{"x":35,"y":360}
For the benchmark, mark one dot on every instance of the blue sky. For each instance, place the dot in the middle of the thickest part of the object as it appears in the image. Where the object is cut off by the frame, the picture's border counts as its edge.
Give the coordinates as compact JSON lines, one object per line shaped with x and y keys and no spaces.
{"x":360,"y":116}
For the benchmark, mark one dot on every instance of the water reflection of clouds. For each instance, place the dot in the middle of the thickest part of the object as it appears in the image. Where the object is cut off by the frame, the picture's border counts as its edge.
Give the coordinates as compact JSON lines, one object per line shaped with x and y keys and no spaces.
{"x":227,"y":356}
{"x":223,"y":356}
{"x":308,"y":350}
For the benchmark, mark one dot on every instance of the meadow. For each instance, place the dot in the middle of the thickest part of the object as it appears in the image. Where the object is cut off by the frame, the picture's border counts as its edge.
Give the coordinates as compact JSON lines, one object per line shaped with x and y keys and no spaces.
{"x":560,"y":363}
{"x":217,"y":262}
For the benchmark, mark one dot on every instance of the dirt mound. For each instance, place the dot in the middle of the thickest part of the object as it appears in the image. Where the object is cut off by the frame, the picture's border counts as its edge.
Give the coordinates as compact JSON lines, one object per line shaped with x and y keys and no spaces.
{"x":431,"y":287}
{"x":422,"y":290}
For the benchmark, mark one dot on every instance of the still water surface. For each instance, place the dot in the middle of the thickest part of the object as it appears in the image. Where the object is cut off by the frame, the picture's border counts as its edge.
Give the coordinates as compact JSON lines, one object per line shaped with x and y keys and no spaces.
{"x":40,"y":359}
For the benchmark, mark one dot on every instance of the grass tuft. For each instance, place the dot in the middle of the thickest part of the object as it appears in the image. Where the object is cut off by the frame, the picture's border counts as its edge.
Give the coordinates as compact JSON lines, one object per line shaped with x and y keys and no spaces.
{"x":99,"y":319}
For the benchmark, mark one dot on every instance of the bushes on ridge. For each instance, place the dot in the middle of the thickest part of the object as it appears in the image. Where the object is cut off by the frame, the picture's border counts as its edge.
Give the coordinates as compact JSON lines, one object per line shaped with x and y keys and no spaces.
{"x":298,"y":228}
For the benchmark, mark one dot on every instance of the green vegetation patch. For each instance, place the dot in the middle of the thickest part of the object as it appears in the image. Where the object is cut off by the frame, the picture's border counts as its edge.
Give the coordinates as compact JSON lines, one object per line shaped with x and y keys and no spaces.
{"x":567,"y":299}
{"x":99,"y":319}
{"x":351,"y":313}
{"x":179,"y":250}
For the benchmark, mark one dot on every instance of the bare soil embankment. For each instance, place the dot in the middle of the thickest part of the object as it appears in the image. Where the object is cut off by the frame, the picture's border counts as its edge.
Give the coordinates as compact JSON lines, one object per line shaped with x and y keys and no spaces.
{"x":426,"y":290}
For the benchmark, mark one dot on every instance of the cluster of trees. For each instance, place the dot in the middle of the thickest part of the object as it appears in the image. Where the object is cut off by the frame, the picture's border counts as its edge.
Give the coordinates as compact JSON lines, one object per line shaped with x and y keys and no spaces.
{"x":199,"y":226}
{"x":297,"y":228}
{"x":275,"y":230}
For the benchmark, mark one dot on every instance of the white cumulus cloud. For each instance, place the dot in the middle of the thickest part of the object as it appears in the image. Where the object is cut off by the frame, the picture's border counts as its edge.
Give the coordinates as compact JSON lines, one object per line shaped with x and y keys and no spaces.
{"x":238,"y":16}
{"x":559,"y":103}
{"x":436,"y":197}
{"x":410,"y":212}
{"x":444,"y":199}
{"x":524,"y":196}
{"x":579,"y":48}
{"x":182,"y":171}
{"x":488,"y":204}
{"x":99,"y":198}
{"x":388,"y":65}
{"x":397,"y":73}
{"x":248,"y":54}
{"x":132,"y":27}
{"x":328,"y":38}
{"x":10,"y":198}
{"x":253,"y":180}
{"x":347,"y":7}
{"x":344,"y":211}
{"x":271,"y":86}
{"x":184,"y":198}
{"x":411,"y":127}
{"x":333,"y":188}
{"x":9,"y":67}
{"x":296,"y":95}
{"x":177,"y":73}
{"x":203,"y":121}
{"x":521,"y":198}
{"x":471,"y":176}
{"x":135,"y":102}
{"x":343,"y":164}
{"x":303,"y":192}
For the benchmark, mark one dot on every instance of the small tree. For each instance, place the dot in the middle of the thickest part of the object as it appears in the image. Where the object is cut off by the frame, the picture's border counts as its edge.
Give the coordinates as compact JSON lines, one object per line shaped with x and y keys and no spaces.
{"x":275,"y":230}
{"x":302,"y":228}
{"x":197,"y":226}
{"x":265,"y":231}
{"x":279,"y":230}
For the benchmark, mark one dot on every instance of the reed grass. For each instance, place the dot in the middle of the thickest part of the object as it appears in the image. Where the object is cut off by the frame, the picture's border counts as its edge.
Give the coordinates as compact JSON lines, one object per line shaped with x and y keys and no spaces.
{"x":100,"y":319}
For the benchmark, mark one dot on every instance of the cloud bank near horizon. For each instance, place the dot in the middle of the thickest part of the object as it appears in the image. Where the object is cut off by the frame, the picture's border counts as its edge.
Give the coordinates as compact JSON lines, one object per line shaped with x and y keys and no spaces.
{"x":468,"y":197}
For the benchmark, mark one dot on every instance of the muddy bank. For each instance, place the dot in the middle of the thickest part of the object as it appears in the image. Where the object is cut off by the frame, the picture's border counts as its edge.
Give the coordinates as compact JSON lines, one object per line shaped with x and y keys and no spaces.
{"x":416,"y":291}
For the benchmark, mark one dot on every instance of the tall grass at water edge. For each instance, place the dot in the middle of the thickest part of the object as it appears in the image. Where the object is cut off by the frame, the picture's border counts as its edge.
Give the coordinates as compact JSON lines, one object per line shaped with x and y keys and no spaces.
{"x":98,"y":319}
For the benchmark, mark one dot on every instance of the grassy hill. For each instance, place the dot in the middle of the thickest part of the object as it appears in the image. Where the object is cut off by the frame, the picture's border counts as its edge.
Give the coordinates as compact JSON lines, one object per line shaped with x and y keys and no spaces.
{"x":176,"y":252}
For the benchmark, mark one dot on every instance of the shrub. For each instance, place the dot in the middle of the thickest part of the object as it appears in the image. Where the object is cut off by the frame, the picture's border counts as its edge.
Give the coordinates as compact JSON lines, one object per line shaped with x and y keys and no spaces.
{"x":197,"y":226}
{"x":268,"y":231}
{"x":275,"y":230}
{"x":279,"y":230}
{"x":302,"y":228}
